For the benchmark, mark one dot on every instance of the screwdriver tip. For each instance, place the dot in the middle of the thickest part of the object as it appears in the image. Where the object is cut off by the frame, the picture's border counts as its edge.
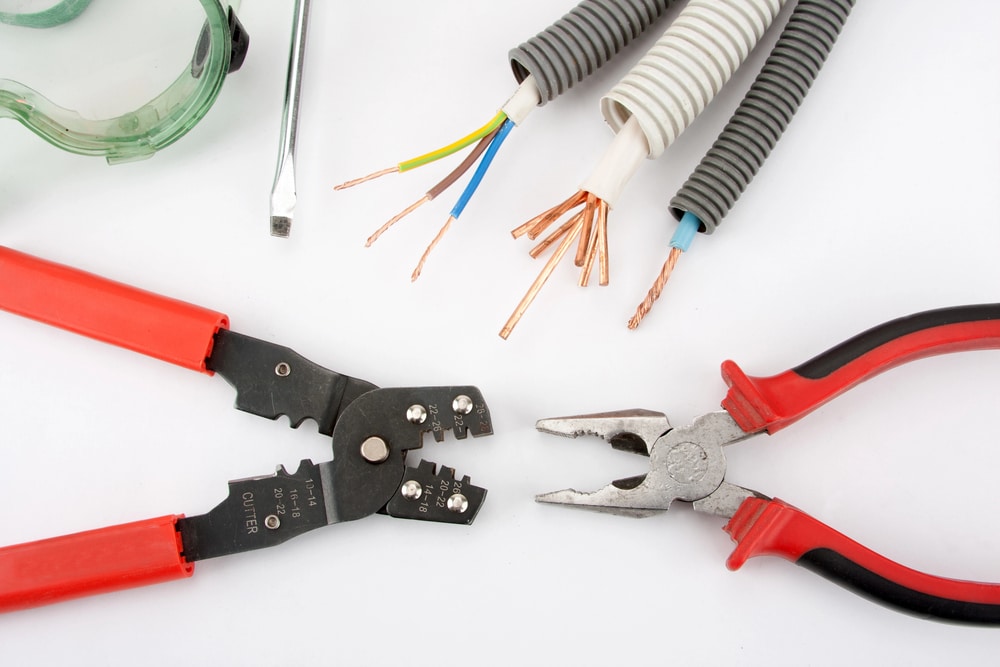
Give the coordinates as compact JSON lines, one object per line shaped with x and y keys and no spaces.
{"x":281,"y":226}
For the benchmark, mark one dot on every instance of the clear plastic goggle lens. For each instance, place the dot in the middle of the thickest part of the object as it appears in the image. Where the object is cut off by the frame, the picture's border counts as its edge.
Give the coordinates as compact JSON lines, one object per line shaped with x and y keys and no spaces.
{"x":117,"y":78}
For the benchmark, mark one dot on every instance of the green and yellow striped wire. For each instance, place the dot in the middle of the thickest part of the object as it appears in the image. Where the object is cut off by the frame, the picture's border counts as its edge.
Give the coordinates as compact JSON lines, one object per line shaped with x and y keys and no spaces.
{"x":455,"y":146}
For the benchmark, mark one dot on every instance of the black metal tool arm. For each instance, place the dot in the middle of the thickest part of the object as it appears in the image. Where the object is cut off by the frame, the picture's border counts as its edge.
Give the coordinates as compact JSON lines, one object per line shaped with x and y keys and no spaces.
{"x":259,"y":512}
{"x":272,"y":380}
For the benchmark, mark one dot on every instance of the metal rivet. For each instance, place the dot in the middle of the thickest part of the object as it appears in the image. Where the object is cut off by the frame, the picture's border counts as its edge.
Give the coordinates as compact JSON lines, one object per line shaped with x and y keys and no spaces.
{"x":282,"y":370}
{"x":462,"y":405}
{"x":416,"y":414}
{"x":458,"y":503}
{"x":374,"y":450}
{"x":411,"y":490}
{"x":271,"y":522}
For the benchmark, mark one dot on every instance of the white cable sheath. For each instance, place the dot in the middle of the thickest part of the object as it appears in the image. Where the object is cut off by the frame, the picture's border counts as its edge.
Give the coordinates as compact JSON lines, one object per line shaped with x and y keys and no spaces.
{"x":682,"y":73}
{"x":618,"y":164}
{"x":524,"y":100}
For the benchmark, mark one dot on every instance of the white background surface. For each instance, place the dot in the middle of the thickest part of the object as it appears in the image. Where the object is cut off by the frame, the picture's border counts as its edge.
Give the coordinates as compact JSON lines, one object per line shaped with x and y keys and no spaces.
{"x":880,"y":201}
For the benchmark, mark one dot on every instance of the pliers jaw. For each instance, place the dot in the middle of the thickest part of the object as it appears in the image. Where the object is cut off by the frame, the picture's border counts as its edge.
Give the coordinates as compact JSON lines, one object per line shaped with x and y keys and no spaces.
{"x":684,"y":463}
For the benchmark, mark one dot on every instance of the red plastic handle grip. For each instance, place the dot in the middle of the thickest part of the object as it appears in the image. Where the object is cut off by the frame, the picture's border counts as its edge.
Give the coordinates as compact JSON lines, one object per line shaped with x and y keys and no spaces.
{"x":774,"y":528}
{"x":774,"y":402}
{"x":109,"y":311}
{"x":96,"y":561}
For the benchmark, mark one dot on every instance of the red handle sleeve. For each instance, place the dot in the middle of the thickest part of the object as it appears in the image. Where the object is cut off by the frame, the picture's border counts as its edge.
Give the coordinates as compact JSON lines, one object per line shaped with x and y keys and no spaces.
{"x":772,"y":403}
{"x":96,"y":561}
{"x":774,"y":528}
{"x":109,"y":311}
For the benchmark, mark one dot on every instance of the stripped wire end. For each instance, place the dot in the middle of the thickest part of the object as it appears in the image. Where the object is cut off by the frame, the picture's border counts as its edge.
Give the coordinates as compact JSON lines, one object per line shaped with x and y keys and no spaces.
{"x":488,"y":148}
{"x":370,"y":177}
{"x":654,"y":292}
{"x":588,"y":228}
{"x":396,"y":218}
{"x":679,"y":243}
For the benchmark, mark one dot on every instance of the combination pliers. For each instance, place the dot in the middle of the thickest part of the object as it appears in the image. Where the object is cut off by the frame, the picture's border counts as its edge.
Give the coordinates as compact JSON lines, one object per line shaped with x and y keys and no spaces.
{"x":371,"y":431}
{"x":688,"y":464}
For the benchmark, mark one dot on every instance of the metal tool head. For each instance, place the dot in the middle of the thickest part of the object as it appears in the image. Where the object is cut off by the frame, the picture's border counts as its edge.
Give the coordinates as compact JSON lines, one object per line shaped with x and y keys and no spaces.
{"x":370,"y":440}
{"x":629,"y":430}
{"x":684,"y":464}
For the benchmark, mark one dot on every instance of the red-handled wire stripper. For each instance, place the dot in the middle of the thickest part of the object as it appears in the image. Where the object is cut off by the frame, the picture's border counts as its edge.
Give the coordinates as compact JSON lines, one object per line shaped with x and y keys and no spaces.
{"x":688,"y":463}
{"x":371,"y":428}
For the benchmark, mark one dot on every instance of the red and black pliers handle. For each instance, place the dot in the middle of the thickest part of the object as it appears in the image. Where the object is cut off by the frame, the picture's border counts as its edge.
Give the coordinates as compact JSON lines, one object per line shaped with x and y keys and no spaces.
{"x":688,"y":463}
{"x":270,"y":381}
{"x":772,"y":527}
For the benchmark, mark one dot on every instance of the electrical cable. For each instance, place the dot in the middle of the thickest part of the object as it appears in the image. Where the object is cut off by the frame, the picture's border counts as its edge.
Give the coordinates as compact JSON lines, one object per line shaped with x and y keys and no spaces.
{"x":440,"y":187}
{"x":737,"y":155}
{"x":649,"y":108}
{"x":477,"y":177}
{"x":547,"y":65}
{"x":433,"y":155}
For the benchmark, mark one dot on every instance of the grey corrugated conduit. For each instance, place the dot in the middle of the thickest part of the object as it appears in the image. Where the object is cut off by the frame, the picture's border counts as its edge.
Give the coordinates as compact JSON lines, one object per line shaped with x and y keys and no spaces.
{"x":655,"y":102}
{"x":748,"y":138}
{"x":578,"y":44}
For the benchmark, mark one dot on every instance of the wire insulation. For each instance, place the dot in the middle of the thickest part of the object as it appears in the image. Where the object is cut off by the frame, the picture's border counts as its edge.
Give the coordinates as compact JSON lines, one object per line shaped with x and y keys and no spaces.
{"x":455,"y":146}
{"x":484,"y":165}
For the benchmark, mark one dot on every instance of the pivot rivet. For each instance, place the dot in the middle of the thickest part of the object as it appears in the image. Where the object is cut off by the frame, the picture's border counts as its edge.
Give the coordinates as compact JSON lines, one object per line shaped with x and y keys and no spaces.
{"x":374,"y":450}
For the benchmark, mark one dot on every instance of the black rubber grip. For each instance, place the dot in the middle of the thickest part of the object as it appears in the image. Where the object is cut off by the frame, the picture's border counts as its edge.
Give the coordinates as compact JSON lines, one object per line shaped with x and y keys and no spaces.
{"x":858,"y":579}
{"x":836,"y":357}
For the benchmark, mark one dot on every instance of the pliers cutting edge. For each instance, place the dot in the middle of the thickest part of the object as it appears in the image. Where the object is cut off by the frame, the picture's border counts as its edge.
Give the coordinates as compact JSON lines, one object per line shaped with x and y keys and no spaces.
{"x":371,"y":428}
{"x":688,"y":463}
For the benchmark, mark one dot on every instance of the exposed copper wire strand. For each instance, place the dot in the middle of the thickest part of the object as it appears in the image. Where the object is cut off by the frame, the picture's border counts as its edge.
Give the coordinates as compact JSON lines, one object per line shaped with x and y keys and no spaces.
{"x":654,"y":292}
{"x":587,"y":232}
{"x":555,"y":236}
{"x":593,"y":248}
{"x":364,"y":179}
{"x":396,"y":218}
{"x":433,"y":244}
{"x":532,"y":292}
{"x":602,"y":236}
{"x":547,"y":217}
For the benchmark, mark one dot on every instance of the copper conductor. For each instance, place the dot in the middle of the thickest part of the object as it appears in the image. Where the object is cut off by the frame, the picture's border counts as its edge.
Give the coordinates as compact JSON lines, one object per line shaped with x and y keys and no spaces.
{"x":396,"y":218}
{"x":540,"y":280}
{"x":534,"y":227}
{"x":433,"y":244}
{"x":602,"y":243}
{"x":654,"y":292}
{"x":365,"y":179}
{"x":587,"y":227}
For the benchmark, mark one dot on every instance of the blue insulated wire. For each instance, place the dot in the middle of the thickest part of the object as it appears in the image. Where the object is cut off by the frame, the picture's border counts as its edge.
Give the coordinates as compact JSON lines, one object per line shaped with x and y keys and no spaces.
{"x":484,"y":165}
{"x":684,"y":234}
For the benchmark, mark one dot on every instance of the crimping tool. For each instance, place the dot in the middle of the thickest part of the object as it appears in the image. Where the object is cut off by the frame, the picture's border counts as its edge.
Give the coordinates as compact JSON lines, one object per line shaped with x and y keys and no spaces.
{"x":371,"y":428}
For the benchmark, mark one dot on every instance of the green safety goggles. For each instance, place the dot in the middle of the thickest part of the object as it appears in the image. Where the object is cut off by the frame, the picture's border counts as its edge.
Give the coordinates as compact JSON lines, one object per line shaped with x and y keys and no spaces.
{"x":110,"y":70}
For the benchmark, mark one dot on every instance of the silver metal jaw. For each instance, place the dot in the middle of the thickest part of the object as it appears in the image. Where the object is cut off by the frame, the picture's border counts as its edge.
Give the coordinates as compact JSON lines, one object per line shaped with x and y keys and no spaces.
{"x":684,"y":464}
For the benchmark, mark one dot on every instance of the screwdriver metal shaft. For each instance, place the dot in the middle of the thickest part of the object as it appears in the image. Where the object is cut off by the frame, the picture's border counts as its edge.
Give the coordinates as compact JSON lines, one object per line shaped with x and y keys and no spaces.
{"x":283,"y":194}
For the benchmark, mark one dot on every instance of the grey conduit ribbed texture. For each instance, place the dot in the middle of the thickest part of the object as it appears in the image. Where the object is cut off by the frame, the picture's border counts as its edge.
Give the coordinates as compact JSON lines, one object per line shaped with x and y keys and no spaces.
{"x":575,"y":46}
{"x":746,"y":141}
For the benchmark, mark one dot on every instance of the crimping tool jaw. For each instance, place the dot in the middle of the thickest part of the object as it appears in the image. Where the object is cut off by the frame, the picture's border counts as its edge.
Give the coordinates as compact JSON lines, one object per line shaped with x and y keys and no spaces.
{"x":684,"y":464}
{"x":370,"y":473}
